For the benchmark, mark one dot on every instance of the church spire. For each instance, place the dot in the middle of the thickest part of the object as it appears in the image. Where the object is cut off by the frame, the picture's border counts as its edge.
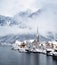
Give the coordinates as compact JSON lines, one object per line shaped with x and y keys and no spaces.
{"x":37,"y":31}
{"x":37,"y":35}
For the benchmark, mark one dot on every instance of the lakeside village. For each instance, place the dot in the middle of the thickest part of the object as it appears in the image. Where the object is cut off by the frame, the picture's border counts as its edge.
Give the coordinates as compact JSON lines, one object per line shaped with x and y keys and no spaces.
{"x":35,"y":46}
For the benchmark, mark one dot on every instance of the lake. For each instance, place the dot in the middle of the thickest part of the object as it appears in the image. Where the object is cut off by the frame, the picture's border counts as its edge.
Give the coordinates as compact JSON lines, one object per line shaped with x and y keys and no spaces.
{"x":12,"y":57}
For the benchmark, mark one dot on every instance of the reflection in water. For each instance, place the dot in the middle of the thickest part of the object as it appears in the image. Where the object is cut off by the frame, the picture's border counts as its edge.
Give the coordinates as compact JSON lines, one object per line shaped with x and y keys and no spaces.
{"x":54,"y":61}
{"x":10,"y":57}
{"x":49,"y":60}
{"x":29,"y":59}
{"x":34,"y":59}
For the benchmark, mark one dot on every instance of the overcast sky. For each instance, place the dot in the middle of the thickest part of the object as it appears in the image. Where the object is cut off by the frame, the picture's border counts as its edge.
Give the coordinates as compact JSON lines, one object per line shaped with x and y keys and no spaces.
{"x":11,"y":7}
{"x":47,"y":21}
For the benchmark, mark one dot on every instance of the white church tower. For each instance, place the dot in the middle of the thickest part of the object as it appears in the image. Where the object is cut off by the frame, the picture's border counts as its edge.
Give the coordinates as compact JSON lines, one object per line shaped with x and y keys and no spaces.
{"x":37,"y":36}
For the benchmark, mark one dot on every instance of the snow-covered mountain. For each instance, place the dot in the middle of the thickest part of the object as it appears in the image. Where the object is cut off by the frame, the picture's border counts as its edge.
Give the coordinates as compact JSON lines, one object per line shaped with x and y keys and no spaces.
{"x":26,"y":22}
{"x":12,"y":38}
{"x":4,"y":21}
{"x":44,"y":18}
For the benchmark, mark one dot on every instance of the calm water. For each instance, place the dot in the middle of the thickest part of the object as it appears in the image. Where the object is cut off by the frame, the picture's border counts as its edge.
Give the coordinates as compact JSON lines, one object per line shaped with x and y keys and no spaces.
{"x":10,"y":57}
